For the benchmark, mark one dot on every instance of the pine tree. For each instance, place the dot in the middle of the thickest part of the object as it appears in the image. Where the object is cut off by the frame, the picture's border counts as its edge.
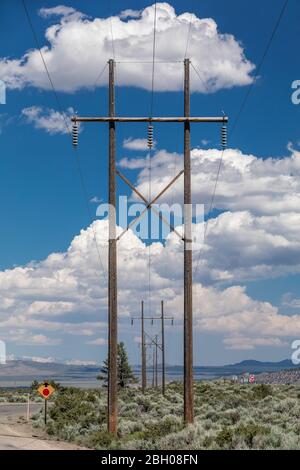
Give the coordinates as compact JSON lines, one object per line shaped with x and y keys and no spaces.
{"x":125,"y":373}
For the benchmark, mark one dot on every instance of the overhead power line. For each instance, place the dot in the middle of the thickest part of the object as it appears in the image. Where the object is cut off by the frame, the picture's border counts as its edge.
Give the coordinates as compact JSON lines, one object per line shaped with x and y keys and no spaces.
{"x":153,"y":59}
{"x":111,"y":31}
{"x":242,"y":107}
{"x":265,"y":53}
{"x":188,"y":36}
{"x":60,"y":109}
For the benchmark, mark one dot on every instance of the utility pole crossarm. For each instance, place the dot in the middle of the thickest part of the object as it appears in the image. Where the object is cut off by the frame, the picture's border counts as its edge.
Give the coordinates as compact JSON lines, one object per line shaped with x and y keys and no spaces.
{"x":150,"y":119}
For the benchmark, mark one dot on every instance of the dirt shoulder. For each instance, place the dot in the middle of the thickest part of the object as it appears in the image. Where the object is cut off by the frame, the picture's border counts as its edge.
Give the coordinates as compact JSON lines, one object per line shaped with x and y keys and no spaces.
{"x":18,"y":435}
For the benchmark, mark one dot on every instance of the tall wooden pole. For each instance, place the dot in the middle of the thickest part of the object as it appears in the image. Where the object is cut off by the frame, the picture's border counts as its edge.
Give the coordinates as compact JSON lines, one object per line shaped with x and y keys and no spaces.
{"x":144,"y":369}
{"x":112,"y":265}
{"x":188,"y":280}
{"x":153,"y":369}
{"x":156,"y":361}
{"x":163,"y":380}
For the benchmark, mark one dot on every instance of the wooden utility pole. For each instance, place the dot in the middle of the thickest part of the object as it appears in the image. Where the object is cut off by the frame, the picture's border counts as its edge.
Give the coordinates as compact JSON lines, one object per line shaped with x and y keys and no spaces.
{"x":153,"y":369}
{"x":156,"y":361}
{"x":188,"y":263}
{"x":143,"y":346}
{"x":111,"y":119}
{"x":112,"y":264}
{"x":144,"y":365}
{"x":162,"y":318}
{"x":163,"y":378}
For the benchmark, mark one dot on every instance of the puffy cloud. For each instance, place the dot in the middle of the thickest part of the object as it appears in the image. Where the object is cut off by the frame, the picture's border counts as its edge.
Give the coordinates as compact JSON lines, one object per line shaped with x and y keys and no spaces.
{"x":65,"y":12}
{"x":129,"y":13}
{"x":232,"y":313}
{"x":70,"y":284}
{"x":262,"y":186}
{"x":244,"y":343}
{"x":242,"y":246}
{"x":49,"y":120}
{"x":136,"y":144}
{"x":288,"y":300}
{"x":97,"y":342}
{"x":24,"y":337}
{"x":5,"y":120}
{"x":77,"y":47}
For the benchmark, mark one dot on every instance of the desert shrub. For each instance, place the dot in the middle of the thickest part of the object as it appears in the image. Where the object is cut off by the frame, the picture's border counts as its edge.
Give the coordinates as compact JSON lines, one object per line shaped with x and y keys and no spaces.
{"x":129,"y":427}
{"x":157,"y":428}
{"x":181,"y":439}
{"x":130,"y":409}
{"x":250,"y":431}
{"x":144,"y":402}
{"x":98,"y":440}
{"x":232,"y":416}
{"x":224,"y":439}
{"x":261,"y":391}
{"x":289,"y":405}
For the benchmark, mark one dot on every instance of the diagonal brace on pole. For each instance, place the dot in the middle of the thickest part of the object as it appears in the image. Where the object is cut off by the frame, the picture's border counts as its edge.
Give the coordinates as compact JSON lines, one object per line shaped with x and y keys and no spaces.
{"x":149,"y":205}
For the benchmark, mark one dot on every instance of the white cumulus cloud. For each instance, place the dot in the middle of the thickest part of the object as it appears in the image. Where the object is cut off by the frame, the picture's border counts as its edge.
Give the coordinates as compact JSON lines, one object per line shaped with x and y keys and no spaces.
{"x":74,"y":277}
{"x":136,"y":144}
{"x":49,"y":120}
{"x":262,"y":186}
{"x":76,"y":48}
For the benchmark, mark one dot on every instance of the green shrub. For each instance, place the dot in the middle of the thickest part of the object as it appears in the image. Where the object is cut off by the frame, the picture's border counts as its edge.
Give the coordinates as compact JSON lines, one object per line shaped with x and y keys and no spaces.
{"x":250,"y":431}
{"x":261,"y":391}
{"x":224,"y":438}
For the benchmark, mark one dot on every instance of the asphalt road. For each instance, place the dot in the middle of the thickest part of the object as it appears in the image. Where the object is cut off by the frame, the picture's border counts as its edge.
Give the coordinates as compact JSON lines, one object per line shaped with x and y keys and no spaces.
{"x":18,"y":435}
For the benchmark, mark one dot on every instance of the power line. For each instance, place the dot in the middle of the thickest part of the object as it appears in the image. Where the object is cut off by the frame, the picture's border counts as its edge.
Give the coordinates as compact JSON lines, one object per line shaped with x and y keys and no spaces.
{"x":265,"y":53}
{"x":68,"y":130}
{"x":188,"y":36}
{"x":100,"y":75}
{"x":269,"y":43}
{"x":111,"y":31}
{"x":199,"y":76}
{"x":153,"y":59}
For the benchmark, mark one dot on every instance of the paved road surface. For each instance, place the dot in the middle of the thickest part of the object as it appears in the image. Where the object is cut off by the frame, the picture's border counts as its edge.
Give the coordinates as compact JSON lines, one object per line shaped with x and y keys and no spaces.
{"x":15,"y":435}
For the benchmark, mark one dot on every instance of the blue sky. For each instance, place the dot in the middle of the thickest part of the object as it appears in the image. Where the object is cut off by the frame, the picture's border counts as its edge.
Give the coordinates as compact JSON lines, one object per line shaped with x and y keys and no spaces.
{"x":43,"y":205}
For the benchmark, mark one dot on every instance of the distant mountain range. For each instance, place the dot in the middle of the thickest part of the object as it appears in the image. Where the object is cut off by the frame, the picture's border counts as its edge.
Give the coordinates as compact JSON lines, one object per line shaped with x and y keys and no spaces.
{"x":23,"y":372}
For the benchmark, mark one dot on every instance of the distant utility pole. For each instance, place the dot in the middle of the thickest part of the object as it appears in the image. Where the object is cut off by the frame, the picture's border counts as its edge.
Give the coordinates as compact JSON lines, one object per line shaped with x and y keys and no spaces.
{"x":142,"y":319}
{"x":111,"y":119}
{"x":153,"y":369}
{"x":162,"y":318}
{"x":156,"y":361}
{"x":156,"y":346}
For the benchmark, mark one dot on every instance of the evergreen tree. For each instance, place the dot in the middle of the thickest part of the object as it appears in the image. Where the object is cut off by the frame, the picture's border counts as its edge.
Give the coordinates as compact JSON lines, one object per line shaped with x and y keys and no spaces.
{"x":125,"y":373}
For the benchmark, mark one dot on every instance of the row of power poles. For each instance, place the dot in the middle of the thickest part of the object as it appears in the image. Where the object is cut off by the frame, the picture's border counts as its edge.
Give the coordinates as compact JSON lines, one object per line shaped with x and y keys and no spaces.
{"x":112,"y":120}
{"x":153,"y":342}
